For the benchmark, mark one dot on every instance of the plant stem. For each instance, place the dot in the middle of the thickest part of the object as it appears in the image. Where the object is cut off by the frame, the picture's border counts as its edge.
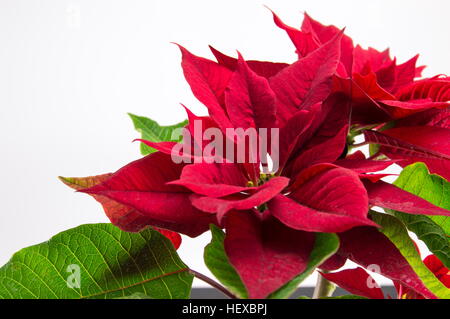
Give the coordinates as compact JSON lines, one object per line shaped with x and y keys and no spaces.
{"x":212,"y":283}
{"x":324,"y":288}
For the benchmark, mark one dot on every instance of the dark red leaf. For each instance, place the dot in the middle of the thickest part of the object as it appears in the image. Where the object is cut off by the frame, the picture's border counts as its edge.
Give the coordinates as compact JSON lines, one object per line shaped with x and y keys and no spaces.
{"x":324,"y":199}
{"x":208,"y":81}
{"x":356,"y":281}
{"x":325,"y":34}
{"x":433,"y":117}
{"x":363,"y":166}
{"x":389,"y":196}
{"x":126,"y":218}
{"x":400,"y":109}
{"x":436,"y":89}
{"x":304,"y":42}
{"x":427,"y":144}
{"x":213,"y":180}
{"x":249,"y":100}
{"x":262,"y":68}
{"x":308,"y":81}
{"x":366,"y":246}
{"x":265,"y":253}
{"x":142,"y":185}
{"x":258,"y":197}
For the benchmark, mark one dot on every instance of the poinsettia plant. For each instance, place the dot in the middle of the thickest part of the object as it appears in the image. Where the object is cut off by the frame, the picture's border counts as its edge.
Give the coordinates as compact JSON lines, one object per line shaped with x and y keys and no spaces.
{"x":281,"y":175}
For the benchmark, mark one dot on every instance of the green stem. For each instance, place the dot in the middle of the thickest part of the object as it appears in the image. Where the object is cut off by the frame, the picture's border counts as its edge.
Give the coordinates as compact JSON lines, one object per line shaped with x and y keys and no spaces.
{"x":324,"y":288}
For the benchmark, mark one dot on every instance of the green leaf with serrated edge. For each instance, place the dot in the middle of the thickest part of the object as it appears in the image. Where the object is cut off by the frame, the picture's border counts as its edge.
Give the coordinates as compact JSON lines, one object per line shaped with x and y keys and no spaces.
{"x":152,"y":131}
{"x":325,"y":246}
{"x":218,"y":263}
{"x":430,"y":233}
{"x":97,"y":262}
{"x":433,"y":230}
{"x":397,"y":233}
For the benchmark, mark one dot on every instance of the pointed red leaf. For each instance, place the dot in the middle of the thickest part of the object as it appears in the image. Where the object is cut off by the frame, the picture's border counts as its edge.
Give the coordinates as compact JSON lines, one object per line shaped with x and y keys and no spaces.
{"x":369,"y":85}
{"x":174,"y":237}
{"x":334,"y":263}
{"x":364,"y":92}
{"x":181,"y":152}
{"x":324,"y":198}
{"x":308,"y":81}
{"x":326,"y":152}
{"x":292,"y":135}
{"x":262,"y":68}
{"x":325,"y":34}
{"x":213,"y":180}
{"x":265,"y":253}
{"x":433,"y":117}
{"x":301,"y":217}
{"x":436,"y":89}
{"x":405,"y":74}
{"x":438,"y":268}
{"x":308,"y":128}
{"x":126,"y":218}
{"x":400,"y":109}
{"x":366,"y":246}
{"x":389,"y":196}
{"x":259,"y":196}
{"x":328,"y":142}
{"x":142,"y":185}
{"x":356,"y":281}
{"x":430,"y":145}
{"x":370,"y":59}
{"x":304,"y":42}
{"x":365,"y":166}
{"x":202,"y":124}
{"x":249,"y":100}
{"x":386,"y":76}
{"x":208,"y":81}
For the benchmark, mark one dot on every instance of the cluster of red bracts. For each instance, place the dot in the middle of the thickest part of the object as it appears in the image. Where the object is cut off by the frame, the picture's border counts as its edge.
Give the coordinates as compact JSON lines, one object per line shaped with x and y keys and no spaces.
{"x":334,"y":89}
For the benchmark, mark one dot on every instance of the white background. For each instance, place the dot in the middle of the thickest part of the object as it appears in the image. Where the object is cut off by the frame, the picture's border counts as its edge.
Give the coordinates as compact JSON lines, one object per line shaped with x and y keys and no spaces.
{"x":71,"y":70}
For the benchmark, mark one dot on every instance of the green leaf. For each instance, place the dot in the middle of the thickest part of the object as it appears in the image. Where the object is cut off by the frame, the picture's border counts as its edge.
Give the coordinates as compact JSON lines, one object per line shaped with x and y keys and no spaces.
{"x":152,"y":131}
{"x":433,"y":230}
{"x":374,"y":149}
{"x":396,"y":231}
{"x":137,"y":295}
{"x":97,"y":262}
{"x":326,"y":245}
{"x":218,"y":263}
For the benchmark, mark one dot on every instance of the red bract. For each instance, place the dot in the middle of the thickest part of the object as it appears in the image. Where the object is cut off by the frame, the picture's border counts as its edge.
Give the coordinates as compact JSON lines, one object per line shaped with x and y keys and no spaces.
{"x":427,"y":144}
{"x":125,"y":217}
{"x":359,"y":282}
{"x":334,"y":92}
{"x":266,"y":253}
{"x":142,"y":185}
{"x":356,"y":281}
